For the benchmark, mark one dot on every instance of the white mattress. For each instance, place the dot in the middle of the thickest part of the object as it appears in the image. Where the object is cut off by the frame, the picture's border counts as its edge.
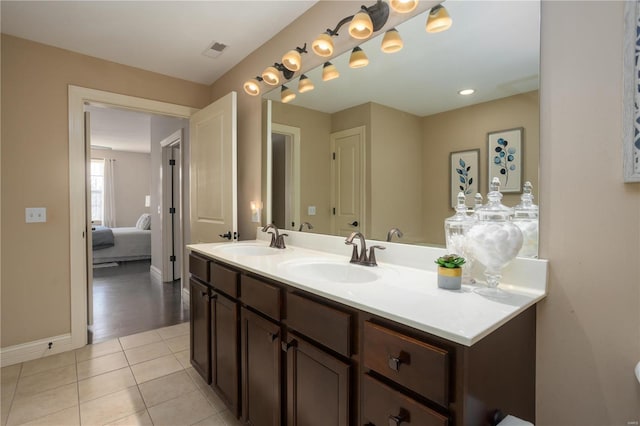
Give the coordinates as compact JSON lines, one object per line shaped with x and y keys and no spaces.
{"x":129,"y":244}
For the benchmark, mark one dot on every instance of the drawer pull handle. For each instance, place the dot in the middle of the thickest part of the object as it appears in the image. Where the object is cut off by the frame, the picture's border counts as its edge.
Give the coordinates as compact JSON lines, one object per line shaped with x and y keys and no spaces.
{"x":394,"y":363}
{"x":400,"y":418}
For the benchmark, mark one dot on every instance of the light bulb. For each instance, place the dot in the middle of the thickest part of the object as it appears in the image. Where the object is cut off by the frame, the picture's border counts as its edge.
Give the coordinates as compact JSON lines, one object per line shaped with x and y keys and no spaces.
{"x":403,"y":6}
{"x":252,"y":87}
{"x":271,"y":76}
{"x":361,"y":26}
{"x":292,"y":60}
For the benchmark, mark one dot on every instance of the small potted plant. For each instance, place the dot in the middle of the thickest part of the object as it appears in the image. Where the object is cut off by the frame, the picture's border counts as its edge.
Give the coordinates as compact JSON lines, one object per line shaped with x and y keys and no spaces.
{"x":450,"y":271}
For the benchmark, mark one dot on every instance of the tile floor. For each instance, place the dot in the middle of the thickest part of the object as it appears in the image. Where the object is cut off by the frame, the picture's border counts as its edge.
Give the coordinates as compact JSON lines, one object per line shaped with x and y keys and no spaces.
{"x":142,"y":379}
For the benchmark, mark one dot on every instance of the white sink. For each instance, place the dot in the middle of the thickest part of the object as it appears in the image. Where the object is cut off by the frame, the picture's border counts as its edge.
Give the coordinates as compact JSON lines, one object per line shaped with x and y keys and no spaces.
{"x":249,"y":249}
{"x":332,"y":271}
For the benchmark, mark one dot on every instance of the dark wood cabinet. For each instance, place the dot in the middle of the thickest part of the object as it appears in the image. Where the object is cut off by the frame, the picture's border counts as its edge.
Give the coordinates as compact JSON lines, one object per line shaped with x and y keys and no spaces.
{"x":225,"y":354}
{"x":278,"y":355}
{"x":318,"y":386}
{"x":261,"y":370}
{"x":200,"y":320}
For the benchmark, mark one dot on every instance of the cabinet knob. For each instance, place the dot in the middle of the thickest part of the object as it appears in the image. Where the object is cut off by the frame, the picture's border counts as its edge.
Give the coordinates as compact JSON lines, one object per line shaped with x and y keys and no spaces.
{"x":400,"y":418}
{"x":394,"y":363}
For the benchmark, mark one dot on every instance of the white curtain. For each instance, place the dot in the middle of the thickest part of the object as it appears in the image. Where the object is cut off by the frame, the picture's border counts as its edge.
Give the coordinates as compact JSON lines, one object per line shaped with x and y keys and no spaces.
{"x":109,"y":193}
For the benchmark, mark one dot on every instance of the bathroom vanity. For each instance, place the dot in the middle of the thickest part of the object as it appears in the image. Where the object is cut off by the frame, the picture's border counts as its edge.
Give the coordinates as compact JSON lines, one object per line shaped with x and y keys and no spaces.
{"x":299,"y":336}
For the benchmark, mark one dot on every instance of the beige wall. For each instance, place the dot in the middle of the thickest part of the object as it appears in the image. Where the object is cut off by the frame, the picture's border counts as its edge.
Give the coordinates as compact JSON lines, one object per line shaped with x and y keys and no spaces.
{"x":396,"y":174}
{"x":132,"y":180}
{"x":589,"y":326}
{"x":315,"y":163}
{"x":466,"y":128}
{"x":35,"y":173}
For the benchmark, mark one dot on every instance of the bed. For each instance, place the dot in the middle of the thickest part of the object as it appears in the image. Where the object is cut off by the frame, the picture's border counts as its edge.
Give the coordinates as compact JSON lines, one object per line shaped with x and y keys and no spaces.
{"x":128,"y":243}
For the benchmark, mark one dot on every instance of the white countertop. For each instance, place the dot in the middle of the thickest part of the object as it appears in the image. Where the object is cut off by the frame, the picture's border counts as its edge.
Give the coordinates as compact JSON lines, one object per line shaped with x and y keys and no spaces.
{"x":404,"y":294}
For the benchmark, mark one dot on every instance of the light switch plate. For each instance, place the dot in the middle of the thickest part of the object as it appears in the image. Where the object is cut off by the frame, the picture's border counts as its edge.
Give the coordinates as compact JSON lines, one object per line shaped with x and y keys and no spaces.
{"x":35,"y":214}
{"x":311,"y":210}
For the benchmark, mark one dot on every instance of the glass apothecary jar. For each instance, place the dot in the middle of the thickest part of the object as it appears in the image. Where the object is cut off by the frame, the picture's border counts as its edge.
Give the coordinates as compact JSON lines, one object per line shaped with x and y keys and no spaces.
{"x":525,"y":217}
{"x":456,"y":228}
{"x":494,"y":240}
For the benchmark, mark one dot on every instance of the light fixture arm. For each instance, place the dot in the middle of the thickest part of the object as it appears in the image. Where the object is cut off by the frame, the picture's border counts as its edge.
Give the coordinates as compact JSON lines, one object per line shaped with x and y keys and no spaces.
{"x":302,"y":49}
{"x":287,"y":73}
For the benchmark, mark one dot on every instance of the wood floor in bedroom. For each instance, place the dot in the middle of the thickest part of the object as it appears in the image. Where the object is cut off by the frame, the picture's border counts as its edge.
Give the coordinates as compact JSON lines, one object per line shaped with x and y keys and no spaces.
{"x":127,"y":301}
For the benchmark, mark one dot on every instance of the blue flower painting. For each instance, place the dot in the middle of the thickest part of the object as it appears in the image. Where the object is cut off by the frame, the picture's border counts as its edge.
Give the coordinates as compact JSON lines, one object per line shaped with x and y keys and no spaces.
{"x":463,"y":176}
{"x":464,"y":173}
{"x":505,"y":158}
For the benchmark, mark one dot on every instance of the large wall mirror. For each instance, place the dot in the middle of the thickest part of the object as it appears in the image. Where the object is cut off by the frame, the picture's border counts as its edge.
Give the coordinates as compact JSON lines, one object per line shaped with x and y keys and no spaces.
{"x":371,"y":150}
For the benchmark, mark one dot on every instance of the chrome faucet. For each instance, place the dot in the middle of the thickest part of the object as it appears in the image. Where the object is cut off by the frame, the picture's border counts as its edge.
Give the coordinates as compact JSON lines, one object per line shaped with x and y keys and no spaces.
{"x":392,"y":232}
{"x":307,"y":224}
{"x":277,"y":239}
{"x":362,"y":258}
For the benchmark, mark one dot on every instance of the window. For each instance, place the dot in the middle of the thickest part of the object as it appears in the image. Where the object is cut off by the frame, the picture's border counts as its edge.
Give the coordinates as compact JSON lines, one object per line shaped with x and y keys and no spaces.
{"x":97,"y":190}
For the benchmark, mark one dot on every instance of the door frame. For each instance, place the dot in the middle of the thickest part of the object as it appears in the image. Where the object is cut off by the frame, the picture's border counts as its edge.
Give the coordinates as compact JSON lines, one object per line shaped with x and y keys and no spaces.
{"x":78,"y":97}
{"x":167,"y":144}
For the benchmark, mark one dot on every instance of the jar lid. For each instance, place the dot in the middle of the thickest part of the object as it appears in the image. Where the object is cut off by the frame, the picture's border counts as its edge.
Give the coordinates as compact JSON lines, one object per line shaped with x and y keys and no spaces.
{"x":494,"y":210}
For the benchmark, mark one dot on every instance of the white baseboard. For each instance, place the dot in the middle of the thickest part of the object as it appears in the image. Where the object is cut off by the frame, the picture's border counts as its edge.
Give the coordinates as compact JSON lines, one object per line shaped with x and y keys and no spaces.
{"x":156,"y":274}
{"x":36,"y":349}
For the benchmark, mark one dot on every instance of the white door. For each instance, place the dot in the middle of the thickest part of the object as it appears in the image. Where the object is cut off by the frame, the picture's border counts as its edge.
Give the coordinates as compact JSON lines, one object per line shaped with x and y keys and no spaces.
{"x":213,"y":172}
{"x":347,"y":176}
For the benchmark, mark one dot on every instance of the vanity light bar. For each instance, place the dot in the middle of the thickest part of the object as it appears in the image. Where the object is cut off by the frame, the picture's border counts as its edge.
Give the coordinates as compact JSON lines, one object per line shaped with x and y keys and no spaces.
{"x":362,"y":25}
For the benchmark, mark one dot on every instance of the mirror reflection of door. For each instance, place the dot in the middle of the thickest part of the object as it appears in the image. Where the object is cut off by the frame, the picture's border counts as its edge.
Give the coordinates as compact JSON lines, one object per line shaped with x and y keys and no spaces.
{"x":347,"y":179}
{"x":285,"y":176}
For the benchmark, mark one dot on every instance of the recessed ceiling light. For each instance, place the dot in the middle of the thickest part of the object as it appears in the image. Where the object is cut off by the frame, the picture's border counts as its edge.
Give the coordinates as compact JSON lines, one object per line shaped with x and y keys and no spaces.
{"x":466,"y":92}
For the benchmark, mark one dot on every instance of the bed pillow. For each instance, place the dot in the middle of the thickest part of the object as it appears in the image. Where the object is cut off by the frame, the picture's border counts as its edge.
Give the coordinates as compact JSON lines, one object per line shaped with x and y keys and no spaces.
{"x":144,"y":222}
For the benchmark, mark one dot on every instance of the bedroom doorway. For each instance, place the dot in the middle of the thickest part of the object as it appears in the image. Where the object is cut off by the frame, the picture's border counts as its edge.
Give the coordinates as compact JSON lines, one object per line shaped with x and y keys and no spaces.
{"x":126,"y":294}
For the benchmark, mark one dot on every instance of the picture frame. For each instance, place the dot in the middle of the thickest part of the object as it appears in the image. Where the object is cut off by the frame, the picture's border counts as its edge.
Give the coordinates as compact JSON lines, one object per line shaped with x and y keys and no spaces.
{"x":631,"y":93}
{"x":505,"y":159}
{"x":464,"y":175}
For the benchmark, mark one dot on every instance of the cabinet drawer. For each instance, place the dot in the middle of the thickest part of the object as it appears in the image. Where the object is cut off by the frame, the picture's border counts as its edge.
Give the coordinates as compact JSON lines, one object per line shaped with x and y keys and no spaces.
{"x":260,"y":296}
{"x":322,"y":323}
{"x":224,"y":279}
{"x":421,"y":367}
{"x":199,"y":267}
{"x":384,"y":406}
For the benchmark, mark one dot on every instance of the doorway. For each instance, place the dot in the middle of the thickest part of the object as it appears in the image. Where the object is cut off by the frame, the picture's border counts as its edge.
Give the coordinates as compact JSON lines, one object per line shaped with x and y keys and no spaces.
{"x":127,"y":293}
{"x":285,"y":176}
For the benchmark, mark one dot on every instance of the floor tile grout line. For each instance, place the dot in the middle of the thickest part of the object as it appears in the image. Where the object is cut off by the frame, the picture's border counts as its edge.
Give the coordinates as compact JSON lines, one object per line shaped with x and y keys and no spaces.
{"x":15,"y":390}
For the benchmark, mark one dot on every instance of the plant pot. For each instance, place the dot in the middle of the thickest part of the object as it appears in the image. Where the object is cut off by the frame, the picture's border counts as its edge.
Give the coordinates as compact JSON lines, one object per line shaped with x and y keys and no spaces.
{"x":449,"y":278}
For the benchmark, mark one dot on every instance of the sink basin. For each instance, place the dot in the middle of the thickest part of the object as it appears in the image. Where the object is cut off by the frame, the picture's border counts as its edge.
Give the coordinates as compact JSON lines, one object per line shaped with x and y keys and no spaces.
{"x":249,"y":249}
{"x":333,"y":272}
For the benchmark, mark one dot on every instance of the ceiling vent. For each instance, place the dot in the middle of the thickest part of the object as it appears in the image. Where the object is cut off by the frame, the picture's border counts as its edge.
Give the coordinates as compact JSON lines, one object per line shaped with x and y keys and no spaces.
{"x":214,"y":50}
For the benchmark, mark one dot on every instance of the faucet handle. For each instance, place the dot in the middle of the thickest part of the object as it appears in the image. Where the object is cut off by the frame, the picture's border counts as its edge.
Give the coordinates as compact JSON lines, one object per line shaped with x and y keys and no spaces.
{"x":372,"y":255}
{"x":355,"y":258}
{"x":280,"y":241}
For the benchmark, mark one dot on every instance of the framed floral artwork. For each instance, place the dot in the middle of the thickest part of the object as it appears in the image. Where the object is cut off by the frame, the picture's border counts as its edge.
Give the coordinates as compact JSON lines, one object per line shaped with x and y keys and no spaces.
{"x":464,"y":175}
{"x":505,"y":159}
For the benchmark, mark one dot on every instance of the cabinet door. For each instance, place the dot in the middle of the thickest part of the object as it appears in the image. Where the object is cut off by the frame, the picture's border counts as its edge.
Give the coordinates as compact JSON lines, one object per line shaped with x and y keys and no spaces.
{"x":261,"y":396}
{"x":200,"y":319}
{"x":317,"y":386}
{"x":225,"y":353}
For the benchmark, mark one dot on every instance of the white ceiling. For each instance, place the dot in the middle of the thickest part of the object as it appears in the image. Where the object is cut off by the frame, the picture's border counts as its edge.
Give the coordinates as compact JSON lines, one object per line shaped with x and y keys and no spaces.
{"x":167,"y":37}
{"x":119,"y":129}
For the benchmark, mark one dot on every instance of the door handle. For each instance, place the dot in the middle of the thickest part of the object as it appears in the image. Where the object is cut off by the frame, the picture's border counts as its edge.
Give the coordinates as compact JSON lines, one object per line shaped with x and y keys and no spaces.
{"x":226,"y":236}
{"x":354,"y":223}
